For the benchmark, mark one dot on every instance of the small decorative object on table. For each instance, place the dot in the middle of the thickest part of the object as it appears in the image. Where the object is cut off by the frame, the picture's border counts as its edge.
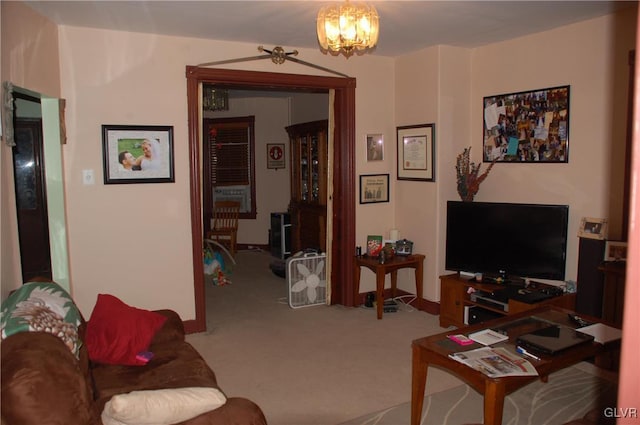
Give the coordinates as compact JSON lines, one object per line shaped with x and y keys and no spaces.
{"x":374,"y":245}
{"x":389,"y":250}
{"x":404,"y":247}
{"x":468,"y":177}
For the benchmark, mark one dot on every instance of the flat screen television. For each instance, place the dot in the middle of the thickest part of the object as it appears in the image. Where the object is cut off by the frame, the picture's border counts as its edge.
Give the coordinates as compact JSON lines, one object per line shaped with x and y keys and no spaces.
{"x":507,"y":240}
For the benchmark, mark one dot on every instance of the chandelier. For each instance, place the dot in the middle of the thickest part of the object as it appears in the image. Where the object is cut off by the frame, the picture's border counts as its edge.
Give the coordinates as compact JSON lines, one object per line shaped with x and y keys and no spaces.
{"x":214,"y":99}
{"x":347,"y":27}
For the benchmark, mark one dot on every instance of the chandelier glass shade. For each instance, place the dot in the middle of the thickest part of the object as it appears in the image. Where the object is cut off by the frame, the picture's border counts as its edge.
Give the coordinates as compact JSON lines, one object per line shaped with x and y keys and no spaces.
{"x":214,"y":99}
{"x":347,"y":27}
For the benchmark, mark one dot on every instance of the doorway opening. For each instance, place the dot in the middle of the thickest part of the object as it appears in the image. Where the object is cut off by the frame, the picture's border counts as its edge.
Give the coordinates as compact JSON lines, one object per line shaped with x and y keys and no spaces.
{"x":343,"y":219}
{"x":30,"y":189}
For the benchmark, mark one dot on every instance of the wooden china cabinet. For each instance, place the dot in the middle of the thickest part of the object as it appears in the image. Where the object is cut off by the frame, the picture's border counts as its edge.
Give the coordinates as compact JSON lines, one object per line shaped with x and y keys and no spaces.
{"x":308,"y":205}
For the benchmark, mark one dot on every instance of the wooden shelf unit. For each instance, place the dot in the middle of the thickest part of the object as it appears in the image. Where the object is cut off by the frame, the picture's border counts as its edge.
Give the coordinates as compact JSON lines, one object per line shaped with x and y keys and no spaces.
{"x":308,"y":206}
{"x":454,"y":296}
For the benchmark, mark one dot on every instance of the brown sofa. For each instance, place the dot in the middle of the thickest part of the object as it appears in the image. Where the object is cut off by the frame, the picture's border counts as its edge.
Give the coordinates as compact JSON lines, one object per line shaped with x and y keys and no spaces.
{"x":44,"y":383}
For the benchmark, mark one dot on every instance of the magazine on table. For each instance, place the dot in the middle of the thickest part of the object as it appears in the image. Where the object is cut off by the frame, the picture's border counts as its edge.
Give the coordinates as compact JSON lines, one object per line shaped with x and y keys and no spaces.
{"x":488,"y":337}
{"x":495,"y":362}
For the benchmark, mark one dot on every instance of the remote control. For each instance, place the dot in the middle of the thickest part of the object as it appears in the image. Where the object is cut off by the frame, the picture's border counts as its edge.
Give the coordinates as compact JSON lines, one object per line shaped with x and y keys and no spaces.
{"x":578,"y":320}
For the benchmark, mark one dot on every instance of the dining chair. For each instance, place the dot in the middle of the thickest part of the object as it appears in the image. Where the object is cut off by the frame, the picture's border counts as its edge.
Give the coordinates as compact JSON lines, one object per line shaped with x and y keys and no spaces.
{"x":225,"y":224}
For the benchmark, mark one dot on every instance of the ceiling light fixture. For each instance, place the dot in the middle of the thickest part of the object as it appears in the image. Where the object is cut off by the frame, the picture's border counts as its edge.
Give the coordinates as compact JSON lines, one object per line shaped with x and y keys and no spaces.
{"x":214,"y":99}
{"x":347,"y":28}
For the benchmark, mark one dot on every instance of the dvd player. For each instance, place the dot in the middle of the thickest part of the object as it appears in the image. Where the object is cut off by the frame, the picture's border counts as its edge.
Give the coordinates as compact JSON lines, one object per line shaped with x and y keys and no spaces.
{"x":486,"y":299}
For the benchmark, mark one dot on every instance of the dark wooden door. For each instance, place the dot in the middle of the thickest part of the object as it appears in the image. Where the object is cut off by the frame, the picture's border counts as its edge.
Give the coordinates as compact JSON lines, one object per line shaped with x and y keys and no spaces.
{"x":31,"y":201}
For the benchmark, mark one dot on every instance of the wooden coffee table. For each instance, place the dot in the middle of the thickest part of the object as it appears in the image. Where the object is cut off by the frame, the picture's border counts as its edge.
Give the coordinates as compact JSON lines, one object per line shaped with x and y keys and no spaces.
{"x":435,"y":350}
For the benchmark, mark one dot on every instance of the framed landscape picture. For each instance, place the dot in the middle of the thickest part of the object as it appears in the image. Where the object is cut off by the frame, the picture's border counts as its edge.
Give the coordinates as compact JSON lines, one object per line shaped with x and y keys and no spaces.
{"x":374,"y":188}
{"x":529,"y":126}
{"x":137,"y":154}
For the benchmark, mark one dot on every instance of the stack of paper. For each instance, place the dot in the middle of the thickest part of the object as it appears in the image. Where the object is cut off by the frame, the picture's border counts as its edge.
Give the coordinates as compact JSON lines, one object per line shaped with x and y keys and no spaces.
{"x":601,"y":333}
{"x":488,"y":337}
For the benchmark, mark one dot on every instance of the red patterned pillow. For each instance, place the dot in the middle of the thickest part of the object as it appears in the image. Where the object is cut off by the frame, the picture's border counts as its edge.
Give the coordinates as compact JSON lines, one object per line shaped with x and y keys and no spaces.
{"x":117,"y":332}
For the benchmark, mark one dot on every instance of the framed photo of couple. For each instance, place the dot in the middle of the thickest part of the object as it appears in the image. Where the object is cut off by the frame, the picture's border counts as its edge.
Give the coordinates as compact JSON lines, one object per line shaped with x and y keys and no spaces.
{"x":137,"y":154}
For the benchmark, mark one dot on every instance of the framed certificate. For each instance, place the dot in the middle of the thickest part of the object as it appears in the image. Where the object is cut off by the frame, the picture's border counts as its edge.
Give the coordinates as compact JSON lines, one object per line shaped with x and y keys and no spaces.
{"x":416,"y":146}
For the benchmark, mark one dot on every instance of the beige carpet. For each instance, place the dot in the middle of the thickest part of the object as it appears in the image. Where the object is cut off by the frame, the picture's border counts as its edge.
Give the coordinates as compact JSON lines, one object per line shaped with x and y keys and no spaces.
{"x":315,"y":365}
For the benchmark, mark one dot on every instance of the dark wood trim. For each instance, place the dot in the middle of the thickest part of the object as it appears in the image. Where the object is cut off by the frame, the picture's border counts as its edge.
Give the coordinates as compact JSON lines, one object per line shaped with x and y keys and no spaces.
{"x":344,"y":197}
{"x":193,"y":122}
{"x":343,"y":231}
{"x":628,"y":148}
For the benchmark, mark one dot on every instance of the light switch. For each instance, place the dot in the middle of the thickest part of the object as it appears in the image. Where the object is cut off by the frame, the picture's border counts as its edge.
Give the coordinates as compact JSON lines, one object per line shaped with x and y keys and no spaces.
{"x":87,"y":177}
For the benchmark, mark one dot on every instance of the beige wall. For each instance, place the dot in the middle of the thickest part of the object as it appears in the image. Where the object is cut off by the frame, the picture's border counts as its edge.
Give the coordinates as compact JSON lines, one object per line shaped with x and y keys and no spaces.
{"x":134,"y":240}
{"x":591,"y":57}
{"x":306,"y":107}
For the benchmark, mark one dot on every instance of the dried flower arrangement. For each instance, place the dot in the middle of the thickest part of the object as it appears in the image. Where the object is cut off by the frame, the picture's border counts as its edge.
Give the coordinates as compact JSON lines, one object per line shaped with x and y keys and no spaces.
{"x":467,"y":175}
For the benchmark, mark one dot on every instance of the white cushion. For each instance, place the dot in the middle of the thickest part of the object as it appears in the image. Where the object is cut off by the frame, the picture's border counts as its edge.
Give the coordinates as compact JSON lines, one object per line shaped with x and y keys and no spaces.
{"x":161,"y":407}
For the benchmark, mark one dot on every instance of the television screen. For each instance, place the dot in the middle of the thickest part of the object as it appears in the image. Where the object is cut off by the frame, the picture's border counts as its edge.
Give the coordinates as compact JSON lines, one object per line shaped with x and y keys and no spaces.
{"x":503,"y":239}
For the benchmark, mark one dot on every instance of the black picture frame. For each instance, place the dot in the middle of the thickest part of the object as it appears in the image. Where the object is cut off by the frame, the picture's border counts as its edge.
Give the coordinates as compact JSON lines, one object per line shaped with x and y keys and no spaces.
{"x":121,"y":143}
{"x":374,"y":188}
{"x":416,"y":152}
{"x":529,"y":126}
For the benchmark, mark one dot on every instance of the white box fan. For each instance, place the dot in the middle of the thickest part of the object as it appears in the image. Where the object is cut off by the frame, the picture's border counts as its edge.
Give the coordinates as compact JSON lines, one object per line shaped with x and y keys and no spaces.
{"x":307,"y":278}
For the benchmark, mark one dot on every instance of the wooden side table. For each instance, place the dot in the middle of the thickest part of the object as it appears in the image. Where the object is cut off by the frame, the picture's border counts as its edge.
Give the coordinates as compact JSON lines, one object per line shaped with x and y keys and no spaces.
{"x":415,"y":261}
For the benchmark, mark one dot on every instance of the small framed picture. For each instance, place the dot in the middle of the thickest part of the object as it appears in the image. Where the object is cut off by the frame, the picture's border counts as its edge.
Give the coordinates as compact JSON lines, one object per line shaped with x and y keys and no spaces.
{"x":137,"y":154}
{"x":374,"y":188}
{"x":275,"y":156}
{"x":375,"y":147}
{"x":615,"y":251}
{"x":593,"y":228}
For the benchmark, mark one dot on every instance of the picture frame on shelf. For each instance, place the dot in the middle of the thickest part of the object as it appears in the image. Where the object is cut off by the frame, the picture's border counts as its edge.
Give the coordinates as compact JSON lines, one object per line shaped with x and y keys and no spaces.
{"x":375,"y":147}
{"x":615,"y":251}
{"x":275,"y":156}
{"x":593,"y":228}
{"x":374,"y":188}
{"x":137,"y":154}
{"x":415,"y":152}
{"x":529,"y":126}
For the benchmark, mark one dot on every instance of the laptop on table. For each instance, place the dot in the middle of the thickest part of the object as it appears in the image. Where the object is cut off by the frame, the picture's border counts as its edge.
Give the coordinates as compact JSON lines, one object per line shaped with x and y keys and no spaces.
{"x":552,"y":339}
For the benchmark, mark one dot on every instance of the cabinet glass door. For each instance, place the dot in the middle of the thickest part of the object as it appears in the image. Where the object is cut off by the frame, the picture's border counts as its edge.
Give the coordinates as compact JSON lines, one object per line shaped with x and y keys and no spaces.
{"x":315,"y":172}
{"x":304,"y":169}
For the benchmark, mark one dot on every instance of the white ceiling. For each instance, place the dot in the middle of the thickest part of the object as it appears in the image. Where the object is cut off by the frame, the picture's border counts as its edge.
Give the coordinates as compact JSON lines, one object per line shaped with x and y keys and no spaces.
{"x":405,"y":26}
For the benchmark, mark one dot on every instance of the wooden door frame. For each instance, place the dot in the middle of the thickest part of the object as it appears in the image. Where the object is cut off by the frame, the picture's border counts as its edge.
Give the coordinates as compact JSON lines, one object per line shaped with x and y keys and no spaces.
{"x":344,"y":190}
